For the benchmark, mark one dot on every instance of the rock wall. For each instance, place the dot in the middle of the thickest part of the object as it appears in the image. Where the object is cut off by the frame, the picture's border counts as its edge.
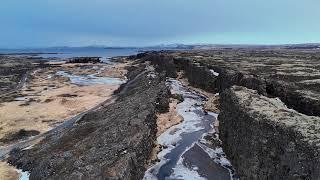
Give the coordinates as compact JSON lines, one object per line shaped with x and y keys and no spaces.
{"x":266,"y":140}
{"x":113,"y":142}
{"x":262,"y":137}
{"x":199,"y":75}
{"x":293,"y":98}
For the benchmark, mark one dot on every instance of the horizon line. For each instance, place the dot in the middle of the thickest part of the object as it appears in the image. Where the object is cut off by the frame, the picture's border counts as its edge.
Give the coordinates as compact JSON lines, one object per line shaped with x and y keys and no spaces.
{"x":164,"y":45}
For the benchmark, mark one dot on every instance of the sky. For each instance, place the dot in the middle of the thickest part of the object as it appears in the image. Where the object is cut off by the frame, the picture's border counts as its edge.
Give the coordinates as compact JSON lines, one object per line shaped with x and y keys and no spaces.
{"x":47,"y":23}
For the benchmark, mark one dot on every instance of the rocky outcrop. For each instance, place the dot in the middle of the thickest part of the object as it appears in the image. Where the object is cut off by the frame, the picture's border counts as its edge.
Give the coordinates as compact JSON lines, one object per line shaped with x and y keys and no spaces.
{"x":200,"y":75}
{"x":197,"y":74}
{"x":85,"y":60}
{"x":261,"y":135}
{"x":266,"y":140}
{"x":13,"y":74}
{"x":113,"y":142}
{"x":162,"y":63}
{"x":22,"y":134}
{"x":303,"y":101}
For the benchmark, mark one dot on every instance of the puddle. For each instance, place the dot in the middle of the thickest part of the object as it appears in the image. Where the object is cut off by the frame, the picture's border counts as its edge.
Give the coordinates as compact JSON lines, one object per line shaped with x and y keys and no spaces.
{"x":186,"y":153}
{"x":86,"y":80}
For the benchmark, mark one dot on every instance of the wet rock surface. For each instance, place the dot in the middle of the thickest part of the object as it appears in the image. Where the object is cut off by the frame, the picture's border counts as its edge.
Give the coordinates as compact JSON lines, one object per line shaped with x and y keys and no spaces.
{"x":266,"y":140}
{"x":113,"y":142}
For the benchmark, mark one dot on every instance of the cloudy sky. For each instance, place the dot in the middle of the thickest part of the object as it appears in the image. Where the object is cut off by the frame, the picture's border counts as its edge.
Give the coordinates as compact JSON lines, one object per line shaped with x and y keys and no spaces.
{"x":44,"y":23}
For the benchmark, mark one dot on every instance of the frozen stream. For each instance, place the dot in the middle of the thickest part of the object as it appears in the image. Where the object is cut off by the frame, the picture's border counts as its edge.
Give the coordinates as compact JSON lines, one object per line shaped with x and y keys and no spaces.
{"x":91,"y":79}
{"x":186,"y":154}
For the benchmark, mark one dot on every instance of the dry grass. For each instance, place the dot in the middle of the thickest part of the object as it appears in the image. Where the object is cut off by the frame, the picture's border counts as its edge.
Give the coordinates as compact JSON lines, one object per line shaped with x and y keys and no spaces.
{"x":7,"y":172}
{"x":169,"y":119}
{"x":50,"y":101}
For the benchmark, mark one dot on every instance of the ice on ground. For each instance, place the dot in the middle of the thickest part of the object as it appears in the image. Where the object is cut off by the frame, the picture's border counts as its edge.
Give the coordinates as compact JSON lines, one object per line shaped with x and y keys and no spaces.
{"x":90,"y":79}
{"x":186,"y":109}
{"x":182,"y":172}
{"x":215,"y":115}
{"x":190,"y":109}
{"x":20,"y":98}
{"x":29,"y":147}
{"x":49,"y":76}
{"x":23,"y":175}
{"x":151,"y":173}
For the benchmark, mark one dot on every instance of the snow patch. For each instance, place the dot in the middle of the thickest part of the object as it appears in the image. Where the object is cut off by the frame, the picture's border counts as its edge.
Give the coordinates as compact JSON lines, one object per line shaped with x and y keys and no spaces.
{"x":214,"y":73}
{"x":23,"y":175}
{"x":29,"y":147}
{"x":152,"y":75}
{"x":185,"y":109}
{"x":91,"y":79}
{"x":49,"y":76}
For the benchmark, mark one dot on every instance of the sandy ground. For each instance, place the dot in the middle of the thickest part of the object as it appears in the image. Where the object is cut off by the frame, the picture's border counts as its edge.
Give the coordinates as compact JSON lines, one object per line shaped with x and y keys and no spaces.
{"x":7,"y":172}
{"x":51,"y":108}
{"x":164,"y":122}
{"x":169,"y":119}
{"x":49,"y":100}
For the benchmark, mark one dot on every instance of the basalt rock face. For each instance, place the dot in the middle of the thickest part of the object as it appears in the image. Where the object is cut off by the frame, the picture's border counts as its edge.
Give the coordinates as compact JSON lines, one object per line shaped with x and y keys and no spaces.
{"x":197,"y":74}
{"x":305,"y":102}
{"x":295,"y":82}
{"x":113,"y":142}
{"x":269,"y":124}
{"x":266,"y":140}
{"x":201,"y":75}
{"x":162,"y":63}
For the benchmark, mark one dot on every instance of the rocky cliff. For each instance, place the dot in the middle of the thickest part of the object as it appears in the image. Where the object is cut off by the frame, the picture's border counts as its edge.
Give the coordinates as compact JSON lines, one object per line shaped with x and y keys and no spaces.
{"x":300,"y":92}
{"x":266,"y":140}
{"x":262,"y":136}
